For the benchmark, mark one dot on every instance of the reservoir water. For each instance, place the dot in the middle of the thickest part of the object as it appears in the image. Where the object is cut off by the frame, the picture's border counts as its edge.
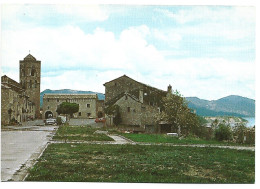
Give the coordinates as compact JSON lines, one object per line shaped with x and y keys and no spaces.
{"x":251,"y":121}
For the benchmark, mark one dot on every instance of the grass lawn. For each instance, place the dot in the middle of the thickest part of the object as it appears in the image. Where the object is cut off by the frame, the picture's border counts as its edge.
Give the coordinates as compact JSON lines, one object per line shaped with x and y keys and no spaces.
{"x":163,"y":138}
{"x":79,"y":133}
{"x":136,"y":163}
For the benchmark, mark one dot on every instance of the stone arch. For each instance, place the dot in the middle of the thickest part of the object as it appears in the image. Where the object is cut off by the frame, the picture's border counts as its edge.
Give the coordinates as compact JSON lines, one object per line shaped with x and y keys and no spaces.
{"x":48,"y":114}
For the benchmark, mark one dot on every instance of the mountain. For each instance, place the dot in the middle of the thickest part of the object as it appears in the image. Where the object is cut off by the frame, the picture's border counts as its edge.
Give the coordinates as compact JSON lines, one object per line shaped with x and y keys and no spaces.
{"x":101,"y":96}
{"x":231,"y":106}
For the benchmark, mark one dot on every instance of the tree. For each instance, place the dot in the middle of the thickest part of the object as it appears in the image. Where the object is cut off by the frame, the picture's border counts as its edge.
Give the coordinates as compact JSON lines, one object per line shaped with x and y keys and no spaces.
{"x":175,"y":111}
{"x":223,"y":132}
{"x":114,"y":111}
{"x":67,"y":108}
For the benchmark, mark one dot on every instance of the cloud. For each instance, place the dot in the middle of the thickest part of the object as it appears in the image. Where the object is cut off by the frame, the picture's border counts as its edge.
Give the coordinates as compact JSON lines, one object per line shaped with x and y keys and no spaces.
{"x":213,"y":21}
{"x":84,"y":60}
{"x":20,"y":16}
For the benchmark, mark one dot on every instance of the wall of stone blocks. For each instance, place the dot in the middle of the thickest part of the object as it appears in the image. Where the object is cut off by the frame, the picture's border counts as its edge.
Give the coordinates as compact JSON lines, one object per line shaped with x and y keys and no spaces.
{"x":119,"y":86}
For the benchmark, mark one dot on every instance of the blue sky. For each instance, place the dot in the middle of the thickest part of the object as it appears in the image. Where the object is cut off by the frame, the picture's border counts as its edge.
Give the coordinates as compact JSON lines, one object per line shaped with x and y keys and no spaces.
{"x":203,"y":51}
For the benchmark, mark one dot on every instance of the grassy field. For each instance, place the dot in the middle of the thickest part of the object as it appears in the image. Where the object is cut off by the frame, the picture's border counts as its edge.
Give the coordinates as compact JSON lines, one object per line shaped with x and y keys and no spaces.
{"x":163,"y":138}
{"x":79,"y":133}
{"x":135,"y":163}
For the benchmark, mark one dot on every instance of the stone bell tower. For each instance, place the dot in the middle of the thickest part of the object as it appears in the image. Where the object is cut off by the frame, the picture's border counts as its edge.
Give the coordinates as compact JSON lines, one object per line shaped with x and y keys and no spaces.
{"x":30,"y":79}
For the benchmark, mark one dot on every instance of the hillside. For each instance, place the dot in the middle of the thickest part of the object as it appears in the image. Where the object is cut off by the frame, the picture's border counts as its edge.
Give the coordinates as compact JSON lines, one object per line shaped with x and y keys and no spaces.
{"x":231,"y":105}
{"x":101,"y":96}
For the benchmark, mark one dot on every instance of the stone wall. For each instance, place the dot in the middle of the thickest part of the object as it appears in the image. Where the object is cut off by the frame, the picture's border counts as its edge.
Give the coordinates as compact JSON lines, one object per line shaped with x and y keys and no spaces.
{"x":130,"y":110}
{"x":15,"y":105}
{"x":133,"y":112}
{"x":119,"y":86}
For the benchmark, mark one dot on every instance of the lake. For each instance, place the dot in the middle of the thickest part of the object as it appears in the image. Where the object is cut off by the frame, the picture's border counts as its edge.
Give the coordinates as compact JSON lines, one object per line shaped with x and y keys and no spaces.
{"x":251,"y":121}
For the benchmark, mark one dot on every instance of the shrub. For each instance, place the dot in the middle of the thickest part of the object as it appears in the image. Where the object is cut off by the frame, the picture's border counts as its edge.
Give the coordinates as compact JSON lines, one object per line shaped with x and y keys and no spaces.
{"x":223,"y":132}
{"x":239,"y":133}
{"x":59,"y":122}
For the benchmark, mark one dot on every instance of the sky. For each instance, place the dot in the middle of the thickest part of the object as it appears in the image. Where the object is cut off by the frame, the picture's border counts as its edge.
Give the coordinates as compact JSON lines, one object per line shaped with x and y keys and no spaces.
{"x":202,"y":51}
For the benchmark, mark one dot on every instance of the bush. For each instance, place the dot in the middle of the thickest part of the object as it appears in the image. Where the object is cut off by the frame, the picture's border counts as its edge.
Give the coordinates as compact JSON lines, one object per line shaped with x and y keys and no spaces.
{"x":242,"y":134}
{"x":223,"y":132}
{"x":239,"y":133}
{"x":59,"y":122}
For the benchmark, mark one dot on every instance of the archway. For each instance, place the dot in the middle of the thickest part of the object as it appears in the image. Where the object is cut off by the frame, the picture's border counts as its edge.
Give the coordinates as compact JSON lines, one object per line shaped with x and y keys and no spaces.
{"x":48,"y":114}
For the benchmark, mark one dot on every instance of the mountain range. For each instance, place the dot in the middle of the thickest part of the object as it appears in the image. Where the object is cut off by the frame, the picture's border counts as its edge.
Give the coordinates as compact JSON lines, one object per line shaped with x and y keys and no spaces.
{"x":232,"y":105}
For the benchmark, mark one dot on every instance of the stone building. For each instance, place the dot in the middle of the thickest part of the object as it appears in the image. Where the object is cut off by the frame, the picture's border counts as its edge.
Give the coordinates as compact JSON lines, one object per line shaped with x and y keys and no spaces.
{"x":16,"y":106}
{"x":21,"y":101}
{"x":89,"y":105}
{"x":30,"y":80}
{"x":138,"y":103}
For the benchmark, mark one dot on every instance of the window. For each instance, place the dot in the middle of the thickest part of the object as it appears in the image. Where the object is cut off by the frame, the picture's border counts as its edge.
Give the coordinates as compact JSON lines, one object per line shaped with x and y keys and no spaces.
{"x":48,"y":100}
{"x":23,"y":73}
{"x":128,"y":109}
{"x":58,"y":100}
{"x":35,"y":83}
{"x":126,"y":97}
{"x":48,"y":107}
{"x":89,"y":114}
{"x":33,"y":72}
{"x":88,"y":105}
{"x":79,"y":113}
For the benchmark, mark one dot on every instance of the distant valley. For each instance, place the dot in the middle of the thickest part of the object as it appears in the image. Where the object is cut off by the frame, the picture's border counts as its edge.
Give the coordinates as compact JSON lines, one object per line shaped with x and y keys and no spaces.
{"x":232,"y":105}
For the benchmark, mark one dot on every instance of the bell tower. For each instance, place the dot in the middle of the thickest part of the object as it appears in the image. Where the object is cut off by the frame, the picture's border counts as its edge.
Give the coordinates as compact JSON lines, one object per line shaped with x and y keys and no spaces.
{"x":30,"y":79}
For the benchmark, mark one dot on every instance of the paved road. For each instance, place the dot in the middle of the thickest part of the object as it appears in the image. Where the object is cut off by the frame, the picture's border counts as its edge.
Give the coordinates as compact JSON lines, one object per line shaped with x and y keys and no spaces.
{"x":20,"y":146}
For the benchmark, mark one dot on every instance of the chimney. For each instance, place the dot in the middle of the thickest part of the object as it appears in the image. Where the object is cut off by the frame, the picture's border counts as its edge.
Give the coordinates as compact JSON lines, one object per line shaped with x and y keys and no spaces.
{"x":141,"y":95}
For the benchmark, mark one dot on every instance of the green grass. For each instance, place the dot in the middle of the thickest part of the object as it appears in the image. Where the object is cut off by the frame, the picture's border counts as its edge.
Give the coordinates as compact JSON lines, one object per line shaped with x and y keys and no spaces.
{"x":163,"y":138}
{"x":79,"y":133}
{"x":135,"y":163}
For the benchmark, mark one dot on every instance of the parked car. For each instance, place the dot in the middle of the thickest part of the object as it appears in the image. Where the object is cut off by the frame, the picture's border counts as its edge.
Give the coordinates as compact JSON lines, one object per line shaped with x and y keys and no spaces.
{"x":102,"y":119}
{"x":50,"y":121}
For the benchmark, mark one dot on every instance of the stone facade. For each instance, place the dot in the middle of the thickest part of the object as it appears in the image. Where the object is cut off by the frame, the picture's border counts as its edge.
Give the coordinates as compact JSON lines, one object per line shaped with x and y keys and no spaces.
{"x":30,"y":80}
{"x":138,"y":103}
{"x":89,"y":106}
{"x":135,"y":112}
{"x":15,"y":104}
{"x":21,"y":101}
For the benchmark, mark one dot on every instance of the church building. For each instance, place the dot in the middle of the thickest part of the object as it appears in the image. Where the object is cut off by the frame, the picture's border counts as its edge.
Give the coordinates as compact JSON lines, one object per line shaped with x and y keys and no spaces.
{"x":21,"y":101}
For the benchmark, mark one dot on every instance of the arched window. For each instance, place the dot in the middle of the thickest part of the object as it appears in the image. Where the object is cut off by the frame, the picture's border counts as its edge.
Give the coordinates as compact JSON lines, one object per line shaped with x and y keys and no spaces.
{"x":22,"y":72}
{"x":30,"y":84}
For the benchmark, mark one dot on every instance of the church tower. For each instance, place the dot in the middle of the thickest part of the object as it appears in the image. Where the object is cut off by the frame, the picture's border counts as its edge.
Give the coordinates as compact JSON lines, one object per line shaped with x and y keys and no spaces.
{"x":30,"y":79}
